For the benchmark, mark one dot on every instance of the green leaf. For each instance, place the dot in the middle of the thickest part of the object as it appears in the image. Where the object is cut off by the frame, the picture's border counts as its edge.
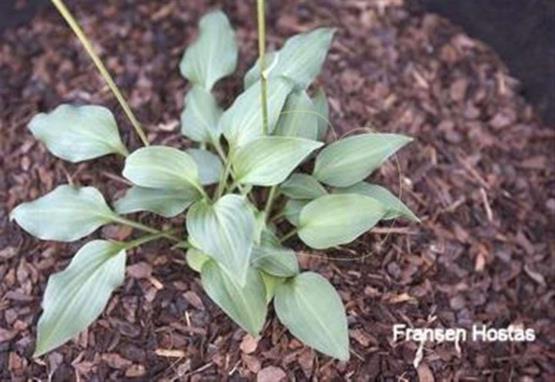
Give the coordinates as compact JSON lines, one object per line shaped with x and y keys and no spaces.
{"x":225,"y":232}
{"x":75,"y":297}
{"x":322,"y":109}
{"x":298,"y":118}
{"x":162,"y":167}
{"x":302,"y":186}
{"x":245,"y":304}
{"x":292,"y":210}
{"x":267,"y":161}
{"x":208,"y":164}
{"x":270,"y":284}
{"x":309,"y":306}
{"x":168,"y":203}
{"x":350,"y":160}
{"x":394,"y":207}
{"x":269,"y":238}
{"x":338,"y":219}
{"x":275,"y":260}
{"x":199,"y":120}
{"x":300,"y":59}
{"x":78,"y":133}
{"x":213,"y":55}
{"x":65,"y":214}
{"x":260,"y":224}
{"x":253,"y":75}
{"x":242,"y":122}
{"x":196,"y":259}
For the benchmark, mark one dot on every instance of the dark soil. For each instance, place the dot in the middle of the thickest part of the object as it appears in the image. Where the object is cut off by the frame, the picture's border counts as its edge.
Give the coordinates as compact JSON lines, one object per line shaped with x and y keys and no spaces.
{"x":523,"y":33}
{"x":480,"y":175}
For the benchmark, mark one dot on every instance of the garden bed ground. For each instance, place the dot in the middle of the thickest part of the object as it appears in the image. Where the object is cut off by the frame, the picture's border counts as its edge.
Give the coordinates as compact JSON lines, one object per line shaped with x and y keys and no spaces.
{"x":480,"y":175}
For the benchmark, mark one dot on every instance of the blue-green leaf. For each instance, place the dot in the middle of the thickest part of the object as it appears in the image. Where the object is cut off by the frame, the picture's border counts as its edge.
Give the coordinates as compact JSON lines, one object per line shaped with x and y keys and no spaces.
{"x":75,"y":297}
{"x":78,"y":133}
{"x":269,"y":160}
{"x":208,"y":164}
{"x":300,"y":59}
{"x":213,"y":55}
{"x":302,"y":186}
{"x":196,"y":259}
{"x":242,"y":122}
{"x":65,"y":214}
{"x":225,"y":232}
{"x":395,"y":208}
{"x":275,"y":260}
{"x":350,"y":160}
{"x":298,"y":118}
{"x":168,"y":203}
{"x":162,"y":167}
{"x":322,"y":109}
{"x":311,"y":309}
{"x":292,"y":210}
{"x":243,"y":303}
{"x":199,"y":120}
{"x":338,"y":219}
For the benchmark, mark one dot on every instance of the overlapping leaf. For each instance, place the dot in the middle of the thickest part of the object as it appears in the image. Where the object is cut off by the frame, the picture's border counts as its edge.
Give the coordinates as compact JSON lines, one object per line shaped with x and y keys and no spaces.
{"x":243,"y":303}
{"x":162,"y":167}
{"x":275,"y":260}
{"x":350,"y":160}
{"x":300,"y":59}
{"x":338,"y":219}
{"x":269,"y":160}
{"x":321,"y":107}
{"x":299,"y":117}
{"x":302,"y":186}
{"x":168,"y":203}
{"x":394,"y":207}
{"x":199,"y":120}
{"x":208,"y":164}
{"x":311,"y":309}
{"x":225,"y":232}
{"x":292,"y":210}
{"x":65,"y":214}
{"x":196,"y":259}
{"x":242,"y":122}
{"x":78,"y":133}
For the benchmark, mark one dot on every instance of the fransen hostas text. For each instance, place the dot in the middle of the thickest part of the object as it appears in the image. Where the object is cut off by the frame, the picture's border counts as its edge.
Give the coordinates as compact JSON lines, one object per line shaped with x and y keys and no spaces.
{"x":477,"y":333}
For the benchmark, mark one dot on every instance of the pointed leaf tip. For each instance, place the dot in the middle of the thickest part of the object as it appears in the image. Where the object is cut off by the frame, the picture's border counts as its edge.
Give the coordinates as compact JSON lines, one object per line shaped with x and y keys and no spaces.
{"x":214,"y":54}
{"x":350,"y":160}
{"x":67,"y":213}
{"x":78,"y":133}
{"x":310,"y":307}
{"x":76,"y":296}
{"x":245,"y":304}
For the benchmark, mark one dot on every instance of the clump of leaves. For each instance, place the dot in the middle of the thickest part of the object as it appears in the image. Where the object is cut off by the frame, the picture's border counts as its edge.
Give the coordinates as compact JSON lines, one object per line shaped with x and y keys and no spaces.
{"x":251,"y":172}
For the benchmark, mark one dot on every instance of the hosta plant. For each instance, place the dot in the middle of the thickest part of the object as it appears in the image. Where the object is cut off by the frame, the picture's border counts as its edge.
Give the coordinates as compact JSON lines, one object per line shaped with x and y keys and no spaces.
{"x":255,"y":170}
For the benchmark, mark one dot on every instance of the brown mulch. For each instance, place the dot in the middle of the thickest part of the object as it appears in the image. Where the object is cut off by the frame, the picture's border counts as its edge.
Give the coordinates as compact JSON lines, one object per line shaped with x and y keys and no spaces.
{"x":480,"y":175}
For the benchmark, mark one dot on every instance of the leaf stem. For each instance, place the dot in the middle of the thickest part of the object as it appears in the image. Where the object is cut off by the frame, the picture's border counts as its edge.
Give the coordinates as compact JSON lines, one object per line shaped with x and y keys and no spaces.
{"x":223,"y":180}
{"x":270,"y":201}
{"x":74,"y":25}
{"x":227,"y":160}
{"x":145,"y":228}
{"x":147,"y":238}
{"x":288,"y":235}
{"x":261,"y":5}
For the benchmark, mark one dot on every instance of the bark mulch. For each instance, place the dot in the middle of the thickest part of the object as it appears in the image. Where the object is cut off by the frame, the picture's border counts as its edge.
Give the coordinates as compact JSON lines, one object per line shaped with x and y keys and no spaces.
{"x":480,"y":175}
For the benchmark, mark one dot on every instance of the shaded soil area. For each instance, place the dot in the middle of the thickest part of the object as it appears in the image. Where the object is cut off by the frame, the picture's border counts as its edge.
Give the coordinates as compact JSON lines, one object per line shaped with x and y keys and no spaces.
{"x":523,"y":33}
{"x":480,"y":175}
